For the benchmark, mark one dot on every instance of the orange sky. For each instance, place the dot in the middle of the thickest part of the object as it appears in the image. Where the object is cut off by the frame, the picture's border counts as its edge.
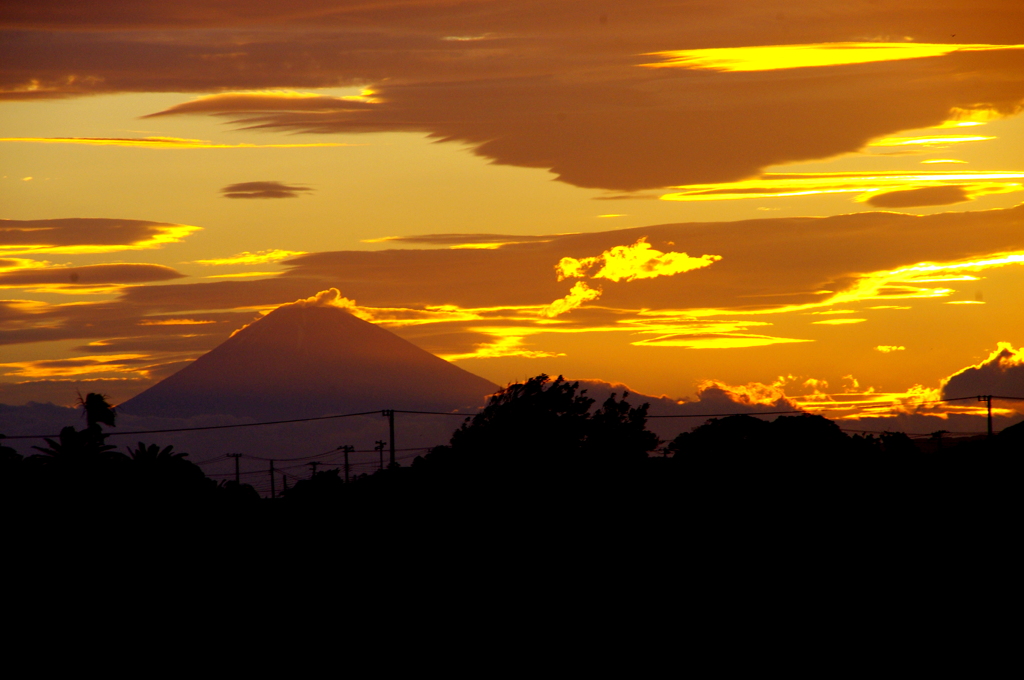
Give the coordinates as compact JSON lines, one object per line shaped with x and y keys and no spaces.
{"x":760,"y":195}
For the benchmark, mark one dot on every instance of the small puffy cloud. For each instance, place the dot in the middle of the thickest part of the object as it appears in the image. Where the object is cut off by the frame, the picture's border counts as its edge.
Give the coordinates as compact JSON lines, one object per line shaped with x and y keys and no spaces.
{"x":332,"y":297}
{"x":912,"y":198}
{"x":270,"y":189}
{"x":638,"y":261}
{"x":886,"y":349}
{"x":1001,"y":374}
{"x":90,"y":275}
{"x":87,"y":235}
{"x":579,"y":294}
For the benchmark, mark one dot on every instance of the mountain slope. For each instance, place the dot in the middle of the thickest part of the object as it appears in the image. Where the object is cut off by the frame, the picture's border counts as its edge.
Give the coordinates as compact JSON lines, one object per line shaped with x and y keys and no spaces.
{"x":311,"y":358}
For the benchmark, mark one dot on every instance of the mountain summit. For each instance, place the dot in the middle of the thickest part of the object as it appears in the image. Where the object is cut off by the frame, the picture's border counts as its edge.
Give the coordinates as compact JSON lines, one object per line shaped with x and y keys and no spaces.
{"x":311,"y":358}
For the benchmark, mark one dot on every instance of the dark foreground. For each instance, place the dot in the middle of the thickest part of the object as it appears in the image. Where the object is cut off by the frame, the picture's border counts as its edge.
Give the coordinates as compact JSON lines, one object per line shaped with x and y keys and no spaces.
{"x":540,"y":469}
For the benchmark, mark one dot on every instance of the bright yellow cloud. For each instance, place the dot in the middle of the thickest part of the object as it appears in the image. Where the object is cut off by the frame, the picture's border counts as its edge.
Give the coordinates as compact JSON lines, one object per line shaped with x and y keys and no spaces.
{"x":717,"y":342}
{"x":42,"y":239}
{"x":775,"y":185}
{"x":240,"y":275}
{"x":175,"y":322}
{"x":774,"y":57}
{"x":579,"y":294}
{"x":502,"y":346}
{"x":10,"y":264}
{"x":628,"y":263}
{"x":838,"y":322}
{"x":886,"y":349}
{"x":259,"y":257}
{"x":52,"y":368}
{"x":915,"y":141}
{"x":159,"y":143}
{"x":680,"y":329}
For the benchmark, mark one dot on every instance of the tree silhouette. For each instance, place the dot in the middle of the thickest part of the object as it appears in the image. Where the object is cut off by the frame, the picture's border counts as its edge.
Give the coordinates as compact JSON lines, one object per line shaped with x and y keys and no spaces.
{"x":97,"y":410}
{"x":618,"y":432}
{"x":540,"y":419}
{"x":162,"y":474}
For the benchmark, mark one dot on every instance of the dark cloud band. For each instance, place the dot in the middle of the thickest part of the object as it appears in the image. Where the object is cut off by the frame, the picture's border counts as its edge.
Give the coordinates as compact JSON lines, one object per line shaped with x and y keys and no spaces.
{"x":270,"y":189}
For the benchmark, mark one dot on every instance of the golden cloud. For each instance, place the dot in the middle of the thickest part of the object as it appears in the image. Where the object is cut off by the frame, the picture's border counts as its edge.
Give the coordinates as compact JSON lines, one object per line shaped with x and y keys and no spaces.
{"x":10,"y":264}
{"x":507,"y":343}
{"x":87,"y":277}
{"x":886,"y":349}
{"x":579,"y":294}
{"x":259,"y":257}
{"x":628,"y":263}
{"x":681,"y":329}
{"x":159,"y":143}
{"x":241,"y":275}
{"x":775,"y":57}
{"x":838,"y":322}
{"x":927,"y":140}
{"x":52,"y":368}
{"x":277,"y":100}
{"x":867,"y":185}
{"x":176,"y":322}
{"x":465,"y":241}
{"x":909,"y":198}
{"x":87,"y":235}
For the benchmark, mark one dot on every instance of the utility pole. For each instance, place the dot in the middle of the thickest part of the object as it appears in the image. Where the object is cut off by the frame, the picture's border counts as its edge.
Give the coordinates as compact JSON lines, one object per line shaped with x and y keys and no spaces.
{"x":380,"y":451}
{"x":284,"y":482}
{"x":987,"y":398}
{"x":347,"y":449}
{"x":273,"y":493}
{"x":238,"y":476}
{"x":390,"y":415}
{"x":313,"y":465}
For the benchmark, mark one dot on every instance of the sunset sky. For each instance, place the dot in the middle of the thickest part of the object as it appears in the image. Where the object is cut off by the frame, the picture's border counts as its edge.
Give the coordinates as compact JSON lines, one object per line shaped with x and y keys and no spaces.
{"x":817,"y":200}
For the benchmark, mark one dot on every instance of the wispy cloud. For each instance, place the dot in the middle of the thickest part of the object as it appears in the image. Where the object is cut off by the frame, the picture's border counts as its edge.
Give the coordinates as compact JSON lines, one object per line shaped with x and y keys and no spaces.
{"x":775,"y":57}
{"x":465,"y":241}
{"x":259,"y":257}
{"x":176,"y":322}
{"x":89,"y":276}
{"x":270,"y":189}
{"x":929,"y":140}
{"x":87,"y":235}
{"x":159,"y":143}
{"x":865,"y":185}
{"x":87,"y":365}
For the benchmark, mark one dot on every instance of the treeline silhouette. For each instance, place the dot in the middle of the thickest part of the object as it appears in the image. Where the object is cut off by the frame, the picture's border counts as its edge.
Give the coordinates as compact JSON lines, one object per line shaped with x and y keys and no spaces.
{"x":541,"y":446}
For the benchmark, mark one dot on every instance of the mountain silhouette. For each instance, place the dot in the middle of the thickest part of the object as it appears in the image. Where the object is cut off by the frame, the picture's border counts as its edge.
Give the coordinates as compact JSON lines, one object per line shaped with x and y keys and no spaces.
{"x":311,"y":358}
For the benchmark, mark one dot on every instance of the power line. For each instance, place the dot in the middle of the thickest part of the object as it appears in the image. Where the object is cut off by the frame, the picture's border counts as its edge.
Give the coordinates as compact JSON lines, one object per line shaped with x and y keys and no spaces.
{"x":210,"y":427}
{"x":442,"y":413}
